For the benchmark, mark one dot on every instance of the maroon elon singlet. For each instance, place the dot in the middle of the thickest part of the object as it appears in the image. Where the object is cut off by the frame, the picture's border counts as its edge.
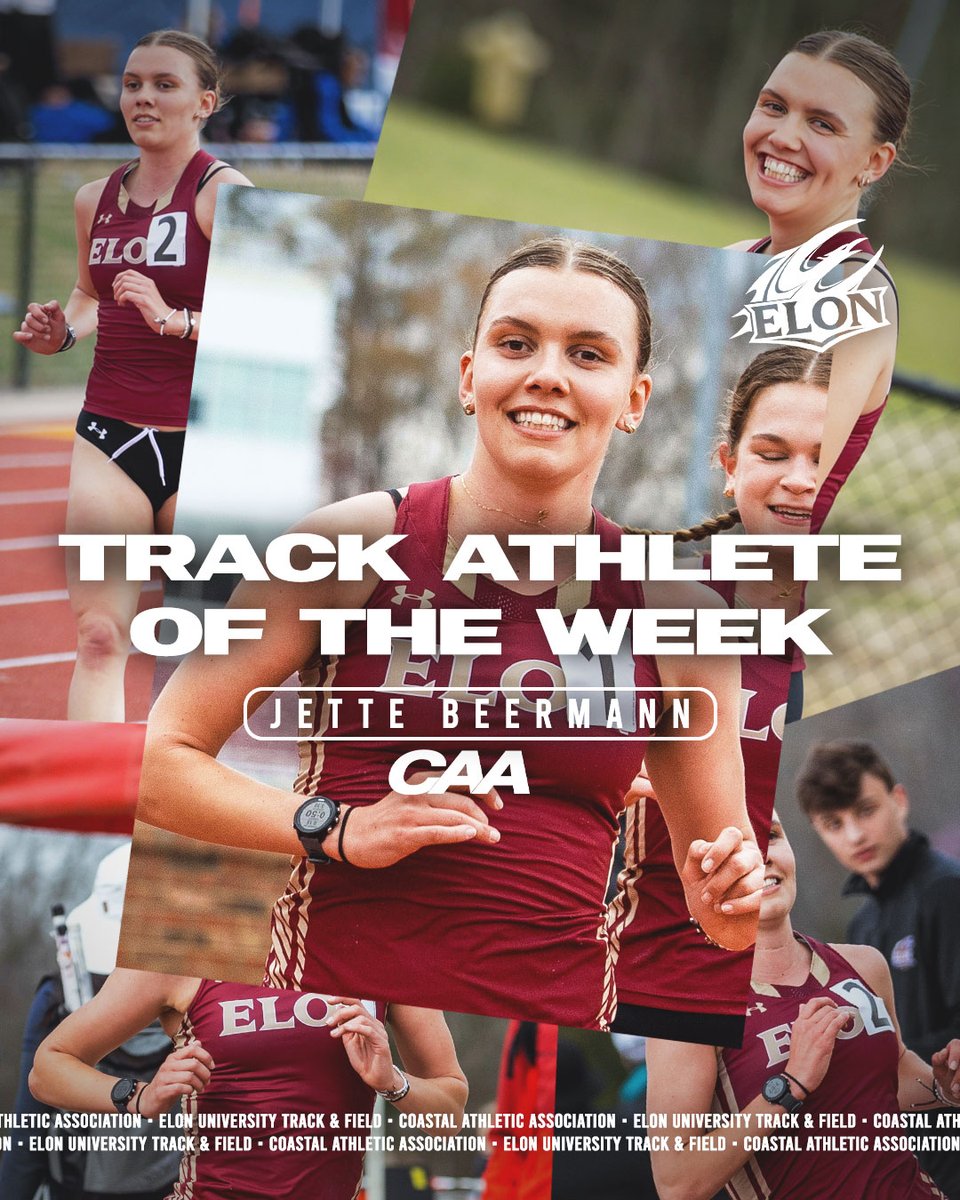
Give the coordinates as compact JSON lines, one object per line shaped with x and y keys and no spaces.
{"x":861,"y":1083}
{"x":514,"y":929}
{"x":138,"y":375}
{"x":273,"y":1054}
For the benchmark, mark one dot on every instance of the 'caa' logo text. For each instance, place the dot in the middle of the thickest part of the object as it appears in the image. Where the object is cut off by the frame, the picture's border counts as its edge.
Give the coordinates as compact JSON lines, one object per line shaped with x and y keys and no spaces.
{"x":465,"y":771}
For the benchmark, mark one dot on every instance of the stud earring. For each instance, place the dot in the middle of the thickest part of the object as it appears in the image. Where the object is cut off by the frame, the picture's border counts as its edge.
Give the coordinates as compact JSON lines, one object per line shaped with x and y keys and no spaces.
{"x":469,"y":408}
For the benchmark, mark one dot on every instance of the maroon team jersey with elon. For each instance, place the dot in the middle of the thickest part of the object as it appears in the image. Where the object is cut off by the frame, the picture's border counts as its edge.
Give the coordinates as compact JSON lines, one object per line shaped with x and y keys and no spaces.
{"x":860,"y":1086}
{"x":138,"y":375}
{"x":274,"y":1058}
{"x":662,"y":962}
{"x":513,"y":929}
{"x":847,"y":459}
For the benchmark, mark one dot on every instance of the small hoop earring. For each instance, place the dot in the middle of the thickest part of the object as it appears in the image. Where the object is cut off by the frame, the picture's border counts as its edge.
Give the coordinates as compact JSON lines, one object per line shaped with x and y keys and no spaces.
{"x":728,"y":492}
{"x":629,"y":425}
{"x":469,"y":408}
{"x":863,"y":180}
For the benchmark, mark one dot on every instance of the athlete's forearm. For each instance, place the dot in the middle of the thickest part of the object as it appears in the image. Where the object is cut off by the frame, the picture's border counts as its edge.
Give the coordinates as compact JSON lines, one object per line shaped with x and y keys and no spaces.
{"x":185,"y":790}
{"x":700,"y":788}
{"x":443,"y":1095}
{"x":692,"y":1173}
{"x":81,"y":312}
{"x":914,"y":1082}
{"x":64,"y":1081}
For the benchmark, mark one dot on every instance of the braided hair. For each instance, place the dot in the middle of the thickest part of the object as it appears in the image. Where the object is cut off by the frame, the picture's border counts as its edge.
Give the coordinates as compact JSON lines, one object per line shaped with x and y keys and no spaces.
{"x":782,"y":364}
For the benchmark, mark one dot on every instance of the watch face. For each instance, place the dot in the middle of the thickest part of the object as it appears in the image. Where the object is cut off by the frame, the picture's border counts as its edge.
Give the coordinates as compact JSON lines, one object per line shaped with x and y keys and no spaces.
{"x":775,"y":1089}
{"x":315,"y":814}
{"x":122,"y":1090}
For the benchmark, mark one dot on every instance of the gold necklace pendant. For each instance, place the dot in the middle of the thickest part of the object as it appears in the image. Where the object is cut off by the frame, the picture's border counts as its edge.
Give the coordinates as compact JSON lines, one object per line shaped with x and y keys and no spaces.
{"x":537,"y":524}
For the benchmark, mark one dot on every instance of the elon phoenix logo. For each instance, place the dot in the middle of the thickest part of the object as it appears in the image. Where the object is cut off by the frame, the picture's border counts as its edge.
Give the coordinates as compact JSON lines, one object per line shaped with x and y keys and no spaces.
{"x":793,"y":304}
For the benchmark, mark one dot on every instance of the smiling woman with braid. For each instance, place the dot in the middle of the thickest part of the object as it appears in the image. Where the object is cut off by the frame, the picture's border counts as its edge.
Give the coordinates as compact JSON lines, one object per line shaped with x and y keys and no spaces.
{"x":670,"y":982}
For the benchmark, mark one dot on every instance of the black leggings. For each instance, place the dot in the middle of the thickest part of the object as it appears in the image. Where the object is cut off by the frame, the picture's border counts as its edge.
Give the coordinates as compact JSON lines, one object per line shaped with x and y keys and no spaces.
{"x":149,"y":457}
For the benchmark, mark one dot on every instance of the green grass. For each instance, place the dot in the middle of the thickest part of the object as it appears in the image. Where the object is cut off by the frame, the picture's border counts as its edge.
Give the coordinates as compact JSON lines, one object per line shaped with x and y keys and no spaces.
{"x":425,"y":160}
{"x":55,"y":254}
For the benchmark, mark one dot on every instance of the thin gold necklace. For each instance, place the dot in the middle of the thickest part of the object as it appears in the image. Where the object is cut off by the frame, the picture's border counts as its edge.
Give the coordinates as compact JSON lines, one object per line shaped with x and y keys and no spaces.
{"x":537,"y":524}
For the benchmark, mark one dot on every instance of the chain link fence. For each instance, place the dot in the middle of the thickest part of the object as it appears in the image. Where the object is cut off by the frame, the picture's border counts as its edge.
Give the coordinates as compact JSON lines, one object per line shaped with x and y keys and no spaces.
{"x":886,"y":634}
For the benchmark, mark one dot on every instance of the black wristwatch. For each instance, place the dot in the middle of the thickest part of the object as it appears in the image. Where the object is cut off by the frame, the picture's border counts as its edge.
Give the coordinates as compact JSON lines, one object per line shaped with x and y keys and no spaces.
{"x":122,"y":1092}
{"x":777,"y":1091}
{"x":312,"y":821}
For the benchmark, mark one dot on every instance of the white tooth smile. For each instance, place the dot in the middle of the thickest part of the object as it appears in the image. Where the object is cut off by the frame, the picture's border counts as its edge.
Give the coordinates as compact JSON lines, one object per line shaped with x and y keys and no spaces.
{"x":801,"y":513}
{"x":784,"y":171}
{"x":530,"y":419}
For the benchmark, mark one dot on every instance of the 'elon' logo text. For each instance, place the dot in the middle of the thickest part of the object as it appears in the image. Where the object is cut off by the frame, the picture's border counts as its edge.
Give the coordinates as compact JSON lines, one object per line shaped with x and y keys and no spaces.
{"x":793,"y":302}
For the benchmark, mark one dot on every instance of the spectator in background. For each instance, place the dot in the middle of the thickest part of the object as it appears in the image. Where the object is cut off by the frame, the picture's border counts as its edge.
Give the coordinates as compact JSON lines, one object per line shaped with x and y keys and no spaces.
{"x":257,"y":74}
{"x":70,"y":1174}
{"x":71,"y":113}
{"x":27,"y":36}
{"x":527,"y":1085}
{"x":319,"y":104}
{"x":912,"y":896}
{"x":27,"y":61}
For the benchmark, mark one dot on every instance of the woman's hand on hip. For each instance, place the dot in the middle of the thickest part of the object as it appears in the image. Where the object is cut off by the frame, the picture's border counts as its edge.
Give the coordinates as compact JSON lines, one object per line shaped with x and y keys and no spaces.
{"x":946,"y":1070}
{"x":380,"y":834}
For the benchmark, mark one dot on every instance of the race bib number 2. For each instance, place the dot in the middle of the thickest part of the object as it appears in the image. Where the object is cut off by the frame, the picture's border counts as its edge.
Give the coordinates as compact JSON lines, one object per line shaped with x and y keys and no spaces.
{"x":167,"y":240}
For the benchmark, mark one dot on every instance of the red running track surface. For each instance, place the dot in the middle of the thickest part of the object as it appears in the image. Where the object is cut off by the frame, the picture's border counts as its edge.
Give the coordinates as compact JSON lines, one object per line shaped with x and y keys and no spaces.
{"x":37,"y":635}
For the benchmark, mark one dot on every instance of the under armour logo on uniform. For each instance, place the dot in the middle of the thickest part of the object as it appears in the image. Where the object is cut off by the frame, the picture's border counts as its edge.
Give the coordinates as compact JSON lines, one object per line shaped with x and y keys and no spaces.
{"x":93,"y":427}
{"x":400,"y":594}
{"x":756,"y":1008}
{"x":104,"y":218}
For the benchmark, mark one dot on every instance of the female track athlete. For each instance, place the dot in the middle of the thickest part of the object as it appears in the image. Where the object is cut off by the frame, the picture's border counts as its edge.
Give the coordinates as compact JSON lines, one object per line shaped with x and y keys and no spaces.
{"x":486,"y":903}
{"x":821,"y":1042}
{"x":245,"y":1054}
{"x":143,"y":239}
{"x":827,"y":126}
{"x":670,"y":982}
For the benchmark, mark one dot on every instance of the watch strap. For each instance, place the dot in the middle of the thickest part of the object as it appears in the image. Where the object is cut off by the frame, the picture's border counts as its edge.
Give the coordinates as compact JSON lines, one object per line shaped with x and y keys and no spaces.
{"x":394,"y":1095}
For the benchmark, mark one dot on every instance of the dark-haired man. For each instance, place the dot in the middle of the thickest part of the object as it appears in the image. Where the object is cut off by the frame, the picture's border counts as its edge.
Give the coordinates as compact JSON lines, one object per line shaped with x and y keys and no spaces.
{"x":912,"y":909}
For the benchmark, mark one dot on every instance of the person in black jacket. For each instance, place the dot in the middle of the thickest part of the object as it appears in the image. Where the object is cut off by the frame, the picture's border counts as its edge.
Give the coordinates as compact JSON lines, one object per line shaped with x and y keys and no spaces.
{"x":912,"y":897}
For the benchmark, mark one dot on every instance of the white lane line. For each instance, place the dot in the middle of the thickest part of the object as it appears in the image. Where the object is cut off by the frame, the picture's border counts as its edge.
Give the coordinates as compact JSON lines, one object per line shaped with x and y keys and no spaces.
{"x":48,"y":496}
{"x":44,"y":660}
{"x":155,"y":585}
{"x":34,"y":597}
{"x":11,"y":462}
{"x":29,"y":543}
{"x":37,"y":660}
